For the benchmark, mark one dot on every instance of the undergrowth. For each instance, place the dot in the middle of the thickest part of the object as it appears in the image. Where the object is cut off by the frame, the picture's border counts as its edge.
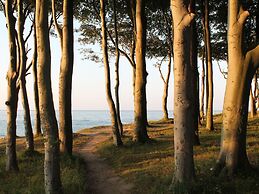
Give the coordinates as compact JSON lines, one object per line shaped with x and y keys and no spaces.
{"x":150,"y":167}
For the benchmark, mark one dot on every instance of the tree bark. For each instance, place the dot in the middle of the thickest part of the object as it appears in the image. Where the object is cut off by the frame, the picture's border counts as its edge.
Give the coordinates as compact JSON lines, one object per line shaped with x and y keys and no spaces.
{"x":140,"y":108}
{"x":195,"y":81}
{"x":115,"y":129}
{"x":169,"y":65}
{"x":12,"y":91}
{"x":209,"y":113}
{"x":183,"y":95}
{"x":65,"y":79}
{"x":117,"y":74}
{"x":252,"y":105}
{"x":47,"y":112}
{"x":22,"y":79}
{"x":166,"y":86}
{"x":241,"y":69}
{"x":37,"y":124}
{"x":202,"y":89}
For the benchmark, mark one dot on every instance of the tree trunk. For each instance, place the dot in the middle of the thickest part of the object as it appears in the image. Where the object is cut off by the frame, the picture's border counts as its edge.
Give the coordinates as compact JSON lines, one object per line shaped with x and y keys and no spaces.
{"x":115,"y":129}
{"x":65,"y":79}
{"x":257,"y":22}
{"x":22,"y":79}
{"x":202,"y":89}
{"x":195,"y":81}
{"x":166,"y":86}
{"x":47,"y":112}
{"x":252,"y":105}
{"x":209,"y":115}
{"x":12,"y":92}
{"x":240,"y":72}
{"x":117,"y":73}
{"x":37,"y":124}
{"x":169,"y":65}
{"x":133,"y":45}
{"x":140,"y":108}
{"x":183,"y":95}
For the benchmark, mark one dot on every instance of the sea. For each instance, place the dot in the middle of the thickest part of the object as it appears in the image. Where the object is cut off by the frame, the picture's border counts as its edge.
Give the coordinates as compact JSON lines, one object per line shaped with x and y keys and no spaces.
{"x":81,"y":119}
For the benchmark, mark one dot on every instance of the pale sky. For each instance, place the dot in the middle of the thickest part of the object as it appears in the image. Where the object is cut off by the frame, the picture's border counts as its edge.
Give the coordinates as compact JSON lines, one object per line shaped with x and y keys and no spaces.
{"x":88,"y":80}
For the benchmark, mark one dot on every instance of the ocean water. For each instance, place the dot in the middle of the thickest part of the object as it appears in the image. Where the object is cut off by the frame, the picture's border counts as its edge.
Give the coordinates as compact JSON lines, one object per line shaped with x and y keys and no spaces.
{"x":81,"y":119}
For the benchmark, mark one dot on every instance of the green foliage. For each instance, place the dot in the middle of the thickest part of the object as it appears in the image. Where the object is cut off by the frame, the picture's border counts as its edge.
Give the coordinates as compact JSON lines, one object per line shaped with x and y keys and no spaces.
{"x":150,"y":166}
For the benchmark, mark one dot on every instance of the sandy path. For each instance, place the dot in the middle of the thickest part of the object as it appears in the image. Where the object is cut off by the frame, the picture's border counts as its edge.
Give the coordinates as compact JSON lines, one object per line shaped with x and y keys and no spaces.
{"x":101,"y":179}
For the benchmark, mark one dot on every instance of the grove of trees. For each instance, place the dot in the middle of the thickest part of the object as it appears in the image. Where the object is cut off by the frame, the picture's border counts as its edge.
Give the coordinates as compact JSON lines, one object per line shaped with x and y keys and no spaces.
{"x":177,"y":32}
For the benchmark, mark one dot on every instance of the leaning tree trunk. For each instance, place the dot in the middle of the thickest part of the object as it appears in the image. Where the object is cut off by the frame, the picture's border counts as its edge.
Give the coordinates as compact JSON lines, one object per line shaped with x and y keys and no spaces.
{"x":117,"y":73}
{"x":47,"y":112}
{"x":183,"y":95}
{"x":37,"y":125}
{"x":240,"y":73}
{"x":12,"y":92}
{"x":65,"y":79}
{"x":115,"y":129}
{"x":140,"y":108}
{"x":22,"y":79}
{"x":209,"y":113}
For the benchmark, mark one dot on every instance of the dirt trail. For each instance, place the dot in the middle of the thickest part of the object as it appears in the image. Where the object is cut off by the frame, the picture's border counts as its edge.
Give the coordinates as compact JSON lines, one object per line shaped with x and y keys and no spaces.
{"x":101,"y":179}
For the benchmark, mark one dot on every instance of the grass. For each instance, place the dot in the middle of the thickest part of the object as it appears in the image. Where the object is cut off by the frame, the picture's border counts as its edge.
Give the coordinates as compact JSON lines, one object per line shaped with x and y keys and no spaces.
{"x":150,"y":166}
{"x":30,"y":178}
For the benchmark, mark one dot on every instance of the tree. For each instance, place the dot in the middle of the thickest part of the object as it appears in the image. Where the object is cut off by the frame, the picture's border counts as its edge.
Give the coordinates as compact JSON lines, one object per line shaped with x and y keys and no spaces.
{"x":12,"y":91}
{"x":115,"y":129}
{"x":65,"y":78}
{"x":183,"y":98}
{"x":140,"y":108}
{"x":209,"y":72}
{"x":195,"y":79}
{"x":241,"y":68}
{"x":160,"y":45}
{"x":202,"y":90}
{"x":117,"y":75}
{"x":22,"y":14}
{"x":47,"y":112}
{"x":37,"y":124}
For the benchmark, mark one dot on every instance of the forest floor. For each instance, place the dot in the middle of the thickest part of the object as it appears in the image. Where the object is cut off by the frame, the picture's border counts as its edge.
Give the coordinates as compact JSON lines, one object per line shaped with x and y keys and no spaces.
{"x":149,"y":167}
{"x":99,"y":167}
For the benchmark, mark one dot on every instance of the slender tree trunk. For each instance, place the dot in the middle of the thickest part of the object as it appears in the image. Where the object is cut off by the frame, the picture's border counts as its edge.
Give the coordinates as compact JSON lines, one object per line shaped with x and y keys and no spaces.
{"x":209,"y":115}
{"x":195,"y":82}
{"x":240,"y":73}
{"x":12,"y":92}
{"x":115,"y":129}
{"x":140,"y":108}
{"x":133,"y":45}
{"x":117,"y":74}
{"x":202,"y":89}
{"x":183,"y":95}
{"x":257,"y":22}
{"x":252,"y":104}
{"x":22,"y":79}
{"x":37,"y":124}
{"x":166,"y":86}
{"x":256,"y":91}
{"x":65,"y":79}
{"x":47,"y":112}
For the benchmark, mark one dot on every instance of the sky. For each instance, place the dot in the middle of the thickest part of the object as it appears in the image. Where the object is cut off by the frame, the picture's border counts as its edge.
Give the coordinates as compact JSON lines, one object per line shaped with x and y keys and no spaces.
{"x":88,"y":92}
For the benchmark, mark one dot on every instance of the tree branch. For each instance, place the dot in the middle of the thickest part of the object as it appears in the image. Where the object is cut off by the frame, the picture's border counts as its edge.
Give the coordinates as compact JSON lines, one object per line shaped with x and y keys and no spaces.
{"x":54,"y":17}
{"x":221,"y":71}
{"x":30,"y":32}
